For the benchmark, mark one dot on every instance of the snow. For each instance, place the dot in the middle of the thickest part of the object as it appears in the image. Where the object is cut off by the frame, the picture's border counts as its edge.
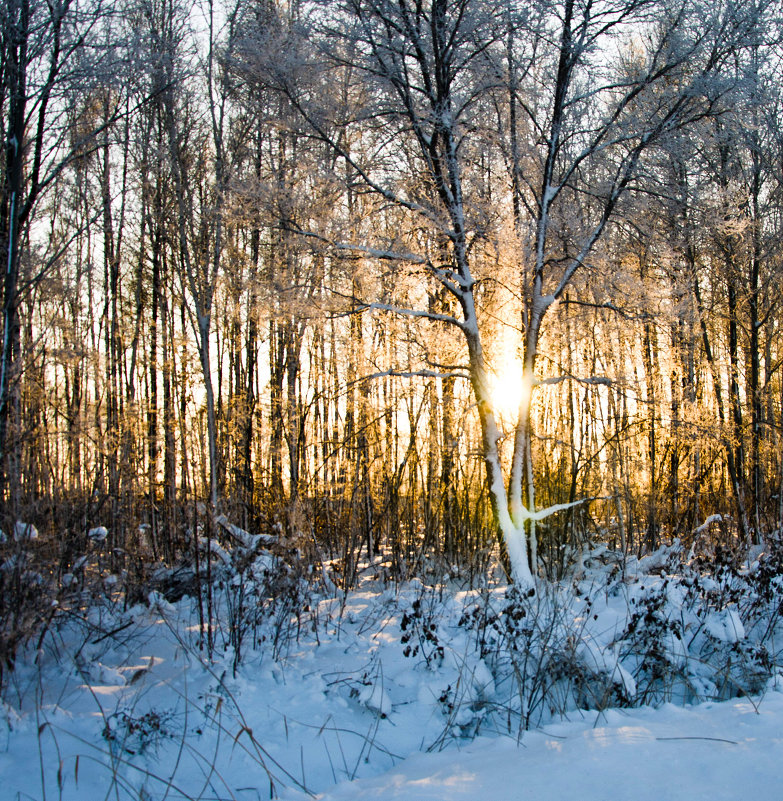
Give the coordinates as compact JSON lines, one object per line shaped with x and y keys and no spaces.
{"x":98,"y":534}
{"x":376,"y":698}
{"x":716,"y":751}
{"x":416,"y":691}
{"x":707,"y":523}
{"x":25,"y":531}
{"x":726,"y":626}
{"x":657,"y":560}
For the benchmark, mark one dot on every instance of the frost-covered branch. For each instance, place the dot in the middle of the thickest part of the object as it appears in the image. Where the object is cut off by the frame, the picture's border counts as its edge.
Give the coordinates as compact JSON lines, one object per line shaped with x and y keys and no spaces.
{"x":542,"y":514}
{"x":414,"y":374}
{"x":382,"y":254}
{"x":559,"y":379}
{"x":439,"y":318}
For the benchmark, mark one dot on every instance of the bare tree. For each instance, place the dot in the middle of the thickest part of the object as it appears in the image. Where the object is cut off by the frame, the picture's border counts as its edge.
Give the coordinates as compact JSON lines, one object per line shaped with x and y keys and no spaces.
{"x":422,"y":75}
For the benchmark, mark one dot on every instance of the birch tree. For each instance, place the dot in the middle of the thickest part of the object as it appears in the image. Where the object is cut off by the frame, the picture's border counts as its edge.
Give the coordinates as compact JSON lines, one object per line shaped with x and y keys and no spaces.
{"x":590,"y":88}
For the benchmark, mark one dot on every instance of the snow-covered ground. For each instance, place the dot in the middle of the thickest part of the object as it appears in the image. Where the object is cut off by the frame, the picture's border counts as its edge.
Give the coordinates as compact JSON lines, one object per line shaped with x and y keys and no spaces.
{"x":409,"y":692}
{"x":716,"y":751}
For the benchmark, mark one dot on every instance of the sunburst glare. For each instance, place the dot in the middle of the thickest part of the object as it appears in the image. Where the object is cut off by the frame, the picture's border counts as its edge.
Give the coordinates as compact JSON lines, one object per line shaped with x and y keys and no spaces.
{"x":507,"y":385}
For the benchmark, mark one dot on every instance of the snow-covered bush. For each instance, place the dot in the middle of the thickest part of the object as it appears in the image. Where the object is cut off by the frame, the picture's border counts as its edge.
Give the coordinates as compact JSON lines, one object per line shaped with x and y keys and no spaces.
{"x":267,"y":593}
{"x":664,"y":629}
{"x":651,"y":644}
{"x":543,"y":658}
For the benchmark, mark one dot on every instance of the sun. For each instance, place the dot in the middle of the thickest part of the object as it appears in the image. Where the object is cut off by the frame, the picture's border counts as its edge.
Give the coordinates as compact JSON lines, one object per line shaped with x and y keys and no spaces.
{"x":506,"y":389}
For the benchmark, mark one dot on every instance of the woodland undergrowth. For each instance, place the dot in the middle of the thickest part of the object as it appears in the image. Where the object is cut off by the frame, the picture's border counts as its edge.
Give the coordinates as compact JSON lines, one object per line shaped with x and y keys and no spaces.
{"x":674,"y":626}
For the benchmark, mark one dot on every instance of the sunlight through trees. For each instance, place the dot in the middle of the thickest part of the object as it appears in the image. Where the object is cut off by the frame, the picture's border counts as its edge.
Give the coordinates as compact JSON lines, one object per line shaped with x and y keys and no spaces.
{"x":415,"y":282}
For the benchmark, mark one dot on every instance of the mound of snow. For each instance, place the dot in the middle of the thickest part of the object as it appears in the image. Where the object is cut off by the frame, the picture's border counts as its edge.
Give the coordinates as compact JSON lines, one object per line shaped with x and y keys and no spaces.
{"x":98,"y":534}
{"x":376,"y":698}
{"x":725,"y":626}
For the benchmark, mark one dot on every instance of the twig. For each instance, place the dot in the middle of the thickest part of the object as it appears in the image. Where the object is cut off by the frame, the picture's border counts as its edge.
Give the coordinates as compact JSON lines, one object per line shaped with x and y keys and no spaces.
{"x":711,"y":739}
{"x":113,"y":632}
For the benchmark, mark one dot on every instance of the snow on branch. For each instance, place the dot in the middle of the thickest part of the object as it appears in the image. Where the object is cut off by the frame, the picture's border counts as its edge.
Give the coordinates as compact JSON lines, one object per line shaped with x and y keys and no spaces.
{"x":559,"y":379}
{"x":363,"y":250}
{"x":415,"y":374}
{"x":438,"y":318}
{"x":246,"y":540}
{"x":542,"y":514}
{"x":706,"y":524}
{"x":453,"y":282}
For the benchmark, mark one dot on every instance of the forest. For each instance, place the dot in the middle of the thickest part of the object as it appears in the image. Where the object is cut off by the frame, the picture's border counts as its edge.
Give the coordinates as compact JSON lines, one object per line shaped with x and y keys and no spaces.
{"x":414,"y":364}
{"x":392,"y":278}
